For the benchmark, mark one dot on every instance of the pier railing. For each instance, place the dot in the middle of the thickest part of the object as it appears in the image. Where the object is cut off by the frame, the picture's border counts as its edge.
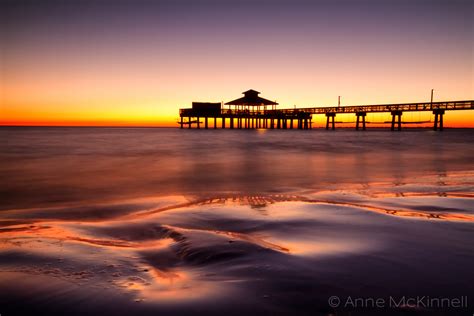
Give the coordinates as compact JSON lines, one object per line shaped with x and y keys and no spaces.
{"x":379,"y":108}
{"x":406,"y":107}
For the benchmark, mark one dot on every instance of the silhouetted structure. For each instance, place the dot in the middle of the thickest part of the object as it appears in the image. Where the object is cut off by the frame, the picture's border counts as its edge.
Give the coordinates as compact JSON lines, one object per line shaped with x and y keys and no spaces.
{"x":251,"y":111}
{"x":250,"y":100}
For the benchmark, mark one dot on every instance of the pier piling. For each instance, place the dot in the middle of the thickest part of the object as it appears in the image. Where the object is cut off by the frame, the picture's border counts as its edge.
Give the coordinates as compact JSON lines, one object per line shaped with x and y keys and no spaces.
{"x":330,"y":116}
{"x":438,"y":121}
{"x":397,"y":114}
{"x":359,"y":116}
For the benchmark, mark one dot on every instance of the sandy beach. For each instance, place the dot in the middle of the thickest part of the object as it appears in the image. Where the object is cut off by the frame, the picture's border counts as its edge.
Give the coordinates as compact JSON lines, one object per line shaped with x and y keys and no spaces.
{"x":217,"y":252}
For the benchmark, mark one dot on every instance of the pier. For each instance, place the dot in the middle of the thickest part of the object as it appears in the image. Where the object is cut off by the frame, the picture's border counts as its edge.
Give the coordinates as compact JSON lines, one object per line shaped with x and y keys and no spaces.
{"x":255,"y":112}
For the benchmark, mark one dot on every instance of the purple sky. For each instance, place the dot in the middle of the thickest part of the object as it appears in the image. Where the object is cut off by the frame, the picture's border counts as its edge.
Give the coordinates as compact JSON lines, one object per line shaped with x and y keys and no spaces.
{"x":151,"y":57}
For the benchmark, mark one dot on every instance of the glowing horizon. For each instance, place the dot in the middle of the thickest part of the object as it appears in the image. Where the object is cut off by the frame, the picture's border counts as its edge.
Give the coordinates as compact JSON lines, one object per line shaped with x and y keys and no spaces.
{"x":137,"y":63}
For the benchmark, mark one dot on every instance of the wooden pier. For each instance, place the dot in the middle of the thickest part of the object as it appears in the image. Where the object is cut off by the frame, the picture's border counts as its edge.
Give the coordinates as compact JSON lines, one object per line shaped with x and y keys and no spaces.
{"x":254,"y":112}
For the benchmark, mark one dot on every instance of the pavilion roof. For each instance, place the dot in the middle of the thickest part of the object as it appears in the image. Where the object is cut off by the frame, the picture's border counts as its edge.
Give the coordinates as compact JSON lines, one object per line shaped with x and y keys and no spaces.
{"x":251,"y":98}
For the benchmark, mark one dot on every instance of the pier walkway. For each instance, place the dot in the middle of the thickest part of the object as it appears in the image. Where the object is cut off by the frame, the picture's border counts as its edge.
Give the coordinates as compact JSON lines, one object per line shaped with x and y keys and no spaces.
{"x":248,"y":113}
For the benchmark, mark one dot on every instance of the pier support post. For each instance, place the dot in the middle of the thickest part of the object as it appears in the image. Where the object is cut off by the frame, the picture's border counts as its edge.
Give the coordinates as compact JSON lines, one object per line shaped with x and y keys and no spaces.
{"x":291,"y":123}
{"x":181,"y":122}
{"x":359,"y":116}
{"x":438,"y":122}
{"x":205,"y":122}
{"x":231,"y":122}
{"x":331,"y":116}
{"x":279,"y":124}
{"x":399,"y":121}
{"x":272,"y":123}
{"x":189,"y":121}
{"x":223,"y":122}
{"x":198,"y":123}
{"x":215,"y":122}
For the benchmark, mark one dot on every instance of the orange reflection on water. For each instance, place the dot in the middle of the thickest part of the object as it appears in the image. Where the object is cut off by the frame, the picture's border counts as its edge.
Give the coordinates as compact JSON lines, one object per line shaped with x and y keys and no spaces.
{"x":171,"y":286}
{"x":453,"y":216}
{"x":22,"y":235}
{"x":306,"y":247}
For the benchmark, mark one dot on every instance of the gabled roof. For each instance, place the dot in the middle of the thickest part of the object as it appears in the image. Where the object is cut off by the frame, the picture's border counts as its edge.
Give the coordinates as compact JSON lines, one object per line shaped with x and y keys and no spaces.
{"x":251,"y":98}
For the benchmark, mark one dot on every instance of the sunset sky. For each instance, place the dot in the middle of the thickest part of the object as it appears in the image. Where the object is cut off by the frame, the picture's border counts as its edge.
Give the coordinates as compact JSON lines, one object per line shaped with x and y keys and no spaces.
{"x":138,"y":62}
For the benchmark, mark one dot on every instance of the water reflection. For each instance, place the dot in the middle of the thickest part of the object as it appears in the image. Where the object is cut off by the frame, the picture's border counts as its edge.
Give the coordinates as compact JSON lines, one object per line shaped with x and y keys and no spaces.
{"x":271,"y":220}
{"x":56,"y":166}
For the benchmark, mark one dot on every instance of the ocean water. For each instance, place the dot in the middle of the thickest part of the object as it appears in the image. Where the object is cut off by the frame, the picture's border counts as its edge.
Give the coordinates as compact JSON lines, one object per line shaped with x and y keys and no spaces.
{"x":162,"y":220}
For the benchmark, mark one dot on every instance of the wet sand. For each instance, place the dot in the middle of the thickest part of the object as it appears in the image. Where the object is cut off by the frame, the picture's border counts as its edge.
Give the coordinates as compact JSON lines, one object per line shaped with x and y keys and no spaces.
{"x":236,"y":252}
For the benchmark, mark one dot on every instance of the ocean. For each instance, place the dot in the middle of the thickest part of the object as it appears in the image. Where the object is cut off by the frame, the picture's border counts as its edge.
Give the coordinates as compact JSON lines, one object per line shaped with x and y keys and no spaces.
{"x":267,"y":222}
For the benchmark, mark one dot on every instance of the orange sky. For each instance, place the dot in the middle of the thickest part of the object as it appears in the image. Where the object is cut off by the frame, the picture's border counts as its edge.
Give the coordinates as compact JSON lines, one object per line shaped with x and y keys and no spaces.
{"x":138,"y":66}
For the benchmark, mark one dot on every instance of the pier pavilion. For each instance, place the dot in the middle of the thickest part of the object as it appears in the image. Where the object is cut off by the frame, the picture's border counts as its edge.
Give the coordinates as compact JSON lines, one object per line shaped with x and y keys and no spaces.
{"x":251,"y":101}
{"x":248,"y":112}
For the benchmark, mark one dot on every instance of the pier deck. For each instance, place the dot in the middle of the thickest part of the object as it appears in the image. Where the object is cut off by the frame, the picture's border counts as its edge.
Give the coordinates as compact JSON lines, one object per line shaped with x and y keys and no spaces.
{"x":284,"y":118}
